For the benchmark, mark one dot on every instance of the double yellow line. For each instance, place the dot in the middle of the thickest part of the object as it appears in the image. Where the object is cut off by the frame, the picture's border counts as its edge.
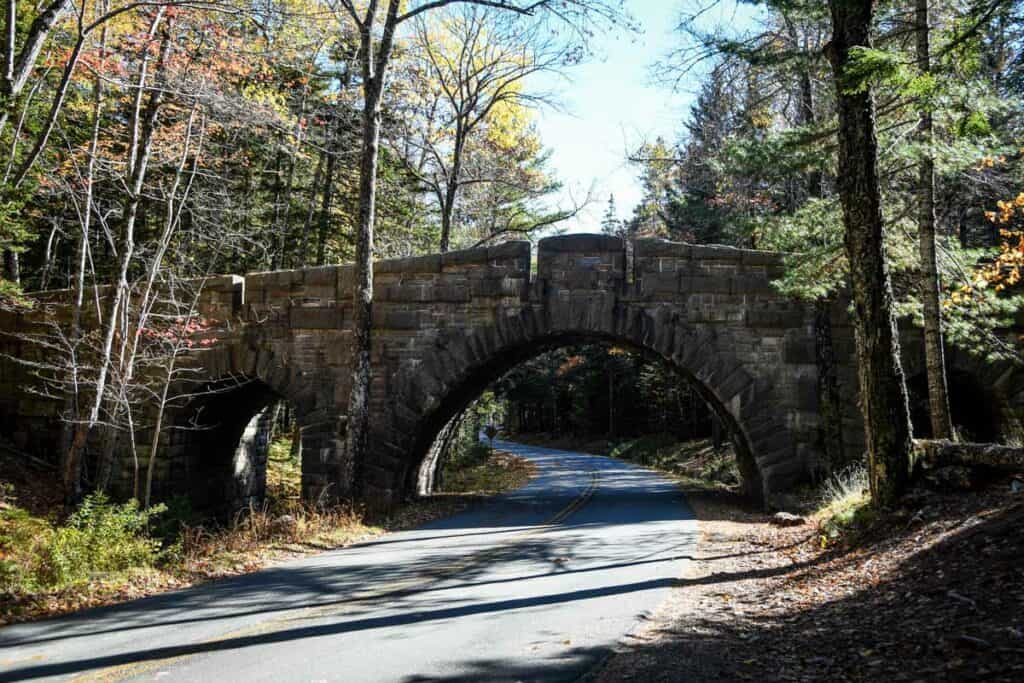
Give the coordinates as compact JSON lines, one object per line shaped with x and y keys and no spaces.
{"x":405,"y":587}
{"x":481,"y":556}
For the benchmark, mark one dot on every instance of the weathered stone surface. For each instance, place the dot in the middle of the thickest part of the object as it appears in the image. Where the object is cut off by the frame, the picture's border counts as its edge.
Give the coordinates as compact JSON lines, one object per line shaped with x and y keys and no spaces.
{"x":646,"y":248}
{"x":414,"y":264}
{"x":580,"y":244}
{"x":315,"y":318}
{"x":447,"y":325}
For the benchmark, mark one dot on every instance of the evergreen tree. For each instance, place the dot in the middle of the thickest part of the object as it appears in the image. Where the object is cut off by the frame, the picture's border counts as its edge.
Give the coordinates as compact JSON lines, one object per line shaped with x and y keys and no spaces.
{"x":610,"y":222}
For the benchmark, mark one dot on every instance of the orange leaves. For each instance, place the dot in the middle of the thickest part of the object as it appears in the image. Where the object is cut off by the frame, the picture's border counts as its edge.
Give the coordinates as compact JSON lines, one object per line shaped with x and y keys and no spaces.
{"x":570,"y":364}
{"x":1005,"y":270}
{"x":188,"y":333}
{"x":1007,"y":210}
{"x":990,"y":162}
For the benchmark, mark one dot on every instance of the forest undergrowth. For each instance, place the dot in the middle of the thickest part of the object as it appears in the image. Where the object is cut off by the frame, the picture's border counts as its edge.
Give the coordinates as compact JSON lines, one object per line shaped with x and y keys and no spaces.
{"x":107,"y":552}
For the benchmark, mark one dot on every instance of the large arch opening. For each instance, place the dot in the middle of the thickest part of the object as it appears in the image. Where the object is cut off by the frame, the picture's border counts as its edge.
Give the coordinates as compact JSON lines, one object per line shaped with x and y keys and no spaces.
{"x":496,"y":373}
{"x":233,"y":438}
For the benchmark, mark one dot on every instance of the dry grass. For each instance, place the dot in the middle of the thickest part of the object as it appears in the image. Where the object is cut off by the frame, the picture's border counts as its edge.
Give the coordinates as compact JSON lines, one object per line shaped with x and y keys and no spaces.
{"x":844,"y":504}
{"x":259,"y":528}
{"x":284,"y":527}
{"x":501,"y":472}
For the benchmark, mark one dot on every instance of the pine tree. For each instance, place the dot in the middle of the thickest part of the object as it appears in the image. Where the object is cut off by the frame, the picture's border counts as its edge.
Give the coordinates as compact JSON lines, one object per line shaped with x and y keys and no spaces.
{"x":610,"y":223}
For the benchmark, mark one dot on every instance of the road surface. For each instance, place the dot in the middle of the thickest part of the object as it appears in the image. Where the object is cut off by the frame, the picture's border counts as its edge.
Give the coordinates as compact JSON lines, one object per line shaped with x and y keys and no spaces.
{"x":534,"y":585}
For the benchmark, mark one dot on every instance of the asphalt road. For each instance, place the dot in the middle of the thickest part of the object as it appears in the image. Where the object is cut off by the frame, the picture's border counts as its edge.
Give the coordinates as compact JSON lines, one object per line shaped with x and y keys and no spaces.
{"x":538,"y":584}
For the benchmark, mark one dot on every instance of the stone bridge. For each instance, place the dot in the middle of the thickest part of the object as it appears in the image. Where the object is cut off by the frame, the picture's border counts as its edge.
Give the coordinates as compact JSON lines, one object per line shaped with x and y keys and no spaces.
{"x":447,"y":325}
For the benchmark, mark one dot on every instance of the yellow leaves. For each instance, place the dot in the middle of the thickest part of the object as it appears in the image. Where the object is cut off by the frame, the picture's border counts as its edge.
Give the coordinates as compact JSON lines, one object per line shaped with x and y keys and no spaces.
{"x":1003,"y":216}
{"x":508,"y":123}
{"x":990,"y":162}
{"x":1007,"y":210}
{"x":761,"y":120}
{"x":267,"y":96}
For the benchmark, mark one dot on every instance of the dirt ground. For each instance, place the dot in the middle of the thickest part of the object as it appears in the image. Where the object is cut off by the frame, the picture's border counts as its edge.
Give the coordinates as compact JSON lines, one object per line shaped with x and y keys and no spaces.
{"x":935,"y":592}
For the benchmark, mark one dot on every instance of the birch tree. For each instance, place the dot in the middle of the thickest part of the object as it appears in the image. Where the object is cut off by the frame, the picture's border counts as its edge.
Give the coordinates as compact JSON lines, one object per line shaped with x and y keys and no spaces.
{"x":377,"y":23}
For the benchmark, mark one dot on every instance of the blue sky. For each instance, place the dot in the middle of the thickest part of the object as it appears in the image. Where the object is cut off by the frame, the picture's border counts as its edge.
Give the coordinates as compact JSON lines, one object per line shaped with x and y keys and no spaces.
{"x":611,"y":104}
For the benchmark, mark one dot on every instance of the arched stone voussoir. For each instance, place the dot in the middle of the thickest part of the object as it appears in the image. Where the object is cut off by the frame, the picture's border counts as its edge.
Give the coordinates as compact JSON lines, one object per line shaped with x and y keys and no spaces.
{"x":429,"y":394}
{"x":464,"y":318}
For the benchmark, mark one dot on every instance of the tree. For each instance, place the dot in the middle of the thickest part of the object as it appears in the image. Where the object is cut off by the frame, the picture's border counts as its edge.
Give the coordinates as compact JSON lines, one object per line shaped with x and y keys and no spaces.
{"x":138,"y":153}
{"x":611,"y":224}
{"x":657,"y":167}
{"x":935,"y":361}
{"x":377,"y":32}
{"x":883,"y":394}
{"x":475,"y":62}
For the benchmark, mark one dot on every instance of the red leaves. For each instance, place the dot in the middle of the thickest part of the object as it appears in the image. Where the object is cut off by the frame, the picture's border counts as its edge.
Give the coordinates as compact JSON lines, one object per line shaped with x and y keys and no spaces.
{"x":185,"y":332}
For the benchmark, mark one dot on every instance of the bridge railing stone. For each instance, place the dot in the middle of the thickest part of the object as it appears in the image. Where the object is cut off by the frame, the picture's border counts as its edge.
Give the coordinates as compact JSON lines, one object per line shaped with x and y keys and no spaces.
{"x":429,"y":291}
{"x":444,"y":321}
{"x":581,"y":262}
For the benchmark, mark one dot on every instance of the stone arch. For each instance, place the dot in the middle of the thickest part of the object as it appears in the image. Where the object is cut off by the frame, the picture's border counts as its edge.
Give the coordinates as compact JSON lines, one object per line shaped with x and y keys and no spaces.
{"x":427,"y":394}
{"x":216,"y":445}
{"x":239,"y":385}
{"x":986,"y":397}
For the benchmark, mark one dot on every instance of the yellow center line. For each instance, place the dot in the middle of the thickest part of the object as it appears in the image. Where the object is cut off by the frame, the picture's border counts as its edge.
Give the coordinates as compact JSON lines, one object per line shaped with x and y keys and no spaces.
{"x":404,"y":587}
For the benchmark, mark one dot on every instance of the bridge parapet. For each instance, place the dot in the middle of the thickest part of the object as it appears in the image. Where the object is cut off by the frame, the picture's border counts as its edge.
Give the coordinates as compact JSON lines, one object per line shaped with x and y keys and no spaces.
{"x":447,"y":325}
{"x":581,"y":262}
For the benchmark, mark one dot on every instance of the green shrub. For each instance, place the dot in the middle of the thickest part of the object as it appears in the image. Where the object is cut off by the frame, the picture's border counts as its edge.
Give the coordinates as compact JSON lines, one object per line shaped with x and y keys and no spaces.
{"x":176,"y":515}
{"x":284,"y":474}
{"x":23,"y":540}
{"x":101,"y":536}
{"x":644,"y":449}
{"x":472,"y":456}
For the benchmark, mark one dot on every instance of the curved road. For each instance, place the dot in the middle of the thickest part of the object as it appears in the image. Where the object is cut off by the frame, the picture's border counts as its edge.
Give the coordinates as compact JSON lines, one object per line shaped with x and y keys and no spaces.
{"x":537,"y":584}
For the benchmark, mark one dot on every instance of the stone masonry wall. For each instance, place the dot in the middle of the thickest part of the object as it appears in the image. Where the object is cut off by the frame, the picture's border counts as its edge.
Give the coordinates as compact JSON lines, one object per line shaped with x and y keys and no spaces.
{"x":446,"y":325}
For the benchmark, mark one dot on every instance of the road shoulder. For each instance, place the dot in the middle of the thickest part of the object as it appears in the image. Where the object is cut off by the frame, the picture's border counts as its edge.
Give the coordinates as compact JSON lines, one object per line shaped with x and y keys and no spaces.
{"x":934,"y":594}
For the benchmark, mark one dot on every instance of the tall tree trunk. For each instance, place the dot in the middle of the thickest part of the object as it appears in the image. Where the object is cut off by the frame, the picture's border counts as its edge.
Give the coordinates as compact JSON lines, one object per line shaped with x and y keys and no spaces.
{"x":51,"y":119}
{"x":451,"y":189}
{"x":325,"y":209}
{"x":17,"y":66}
{"x":277,"y":239}
{"x":52,"y":244}
{"x":12,"y":266}
{"x":72,"y":408}
{"x":807,"y":118}
{"x":10,"y":35}
{"x":935,"y":360}
{"x":139,"y":151}
{"x":374,"y":67}
{"x":359,"y":400}
{"x":307,"y":224}
{"x":883,"y":395}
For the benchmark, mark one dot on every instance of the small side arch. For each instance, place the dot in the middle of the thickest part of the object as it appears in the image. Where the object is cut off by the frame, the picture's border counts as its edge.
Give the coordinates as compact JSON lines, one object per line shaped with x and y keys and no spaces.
{"x":986,"y":397}
{"x":216,"y":441}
